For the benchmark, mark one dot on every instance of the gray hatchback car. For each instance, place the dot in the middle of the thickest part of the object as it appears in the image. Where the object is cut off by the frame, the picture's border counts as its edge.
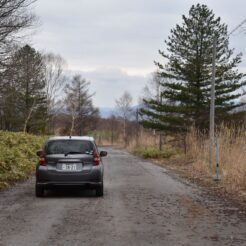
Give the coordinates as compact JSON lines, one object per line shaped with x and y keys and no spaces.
{"x":69,"y":161}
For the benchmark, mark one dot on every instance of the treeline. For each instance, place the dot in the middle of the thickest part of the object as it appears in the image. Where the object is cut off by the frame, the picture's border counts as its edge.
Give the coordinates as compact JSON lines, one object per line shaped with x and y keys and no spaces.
{"x":36,"y":96}
{"x":34,"y":90}
{"x":181,"y":86}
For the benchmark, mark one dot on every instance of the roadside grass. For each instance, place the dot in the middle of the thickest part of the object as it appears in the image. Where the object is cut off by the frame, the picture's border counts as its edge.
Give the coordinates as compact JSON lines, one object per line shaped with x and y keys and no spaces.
{"x":17,"y":156}
{"x":232,"y":157}
{"x":194,"y":164}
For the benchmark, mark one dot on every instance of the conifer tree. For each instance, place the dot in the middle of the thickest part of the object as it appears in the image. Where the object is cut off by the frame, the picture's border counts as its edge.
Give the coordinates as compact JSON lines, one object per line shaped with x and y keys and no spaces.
{"x":24,"y":95}
{"x":187,"y":75}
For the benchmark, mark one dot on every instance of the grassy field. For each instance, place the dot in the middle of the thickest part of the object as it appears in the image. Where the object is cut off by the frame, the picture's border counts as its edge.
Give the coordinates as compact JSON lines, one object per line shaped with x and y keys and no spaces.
{"x":17,"y":156}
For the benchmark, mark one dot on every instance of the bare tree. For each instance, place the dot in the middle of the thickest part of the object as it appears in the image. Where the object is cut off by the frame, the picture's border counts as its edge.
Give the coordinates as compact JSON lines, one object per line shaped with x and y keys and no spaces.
{"x":72,"y":108}
{"x":153,"y":90}
{"x":14,"y":17}
{"x":54,"y":83}
{"x":113,"y":123}
{"x":79,"y":104}
{"x":28,"y":116}
{"x":124,"y":104}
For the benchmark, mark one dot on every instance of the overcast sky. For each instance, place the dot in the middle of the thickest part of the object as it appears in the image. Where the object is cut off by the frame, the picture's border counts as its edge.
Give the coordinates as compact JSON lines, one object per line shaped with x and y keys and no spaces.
{"x":113,"y":43}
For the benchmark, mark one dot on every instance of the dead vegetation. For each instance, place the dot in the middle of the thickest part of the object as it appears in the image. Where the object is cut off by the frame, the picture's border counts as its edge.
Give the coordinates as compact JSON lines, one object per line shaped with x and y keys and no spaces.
{"x":194,"y":164}
{"x":232,"y":161}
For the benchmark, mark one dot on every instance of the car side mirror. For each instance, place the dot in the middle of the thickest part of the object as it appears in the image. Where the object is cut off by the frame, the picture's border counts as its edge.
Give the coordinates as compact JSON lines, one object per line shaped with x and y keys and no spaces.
{"x":39,"y":153}
{"x":103,"y":153}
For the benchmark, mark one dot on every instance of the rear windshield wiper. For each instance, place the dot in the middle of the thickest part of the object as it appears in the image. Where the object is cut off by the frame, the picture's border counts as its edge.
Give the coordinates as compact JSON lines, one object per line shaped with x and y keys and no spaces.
{"x":72,"y":152}
{"x":89,"y":152}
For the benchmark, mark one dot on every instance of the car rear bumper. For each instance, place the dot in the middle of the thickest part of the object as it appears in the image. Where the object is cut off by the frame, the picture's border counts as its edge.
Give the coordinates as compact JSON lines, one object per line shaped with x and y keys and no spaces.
{"x":46,"y":177}
{"x":51,"y":184}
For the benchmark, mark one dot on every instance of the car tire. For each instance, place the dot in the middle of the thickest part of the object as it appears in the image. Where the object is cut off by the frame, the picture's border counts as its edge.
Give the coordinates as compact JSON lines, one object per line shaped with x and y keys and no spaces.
{"x":99,"y":190}
{"x":39,"y":191}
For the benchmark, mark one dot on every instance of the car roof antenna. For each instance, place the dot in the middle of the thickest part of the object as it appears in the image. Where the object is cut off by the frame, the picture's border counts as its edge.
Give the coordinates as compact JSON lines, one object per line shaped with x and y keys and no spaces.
{"x":70,"y":137}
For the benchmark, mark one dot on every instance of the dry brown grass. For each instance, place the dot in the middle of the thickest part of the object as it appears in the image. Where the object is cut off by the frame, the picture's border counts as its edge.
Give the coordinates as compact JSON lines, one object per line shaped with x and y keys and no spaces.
{"x":195,"y":163}
{"x":145,"y":139}
{"x":232,"y":154}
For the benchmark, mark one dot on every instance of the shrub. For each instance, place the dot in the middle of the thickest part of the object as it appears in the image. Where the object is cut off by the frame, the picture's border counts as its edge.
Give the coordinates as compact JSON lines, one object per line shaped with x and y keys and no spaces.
{"x":154,"y":153}
{"x":17,"y":156}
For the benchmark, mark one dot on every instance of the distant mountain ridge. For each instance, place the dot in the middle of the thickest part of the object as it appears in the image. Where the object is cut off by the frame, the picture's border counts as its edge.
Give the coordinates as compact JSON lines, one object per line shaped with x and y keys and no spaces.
{"x":106,"y":112}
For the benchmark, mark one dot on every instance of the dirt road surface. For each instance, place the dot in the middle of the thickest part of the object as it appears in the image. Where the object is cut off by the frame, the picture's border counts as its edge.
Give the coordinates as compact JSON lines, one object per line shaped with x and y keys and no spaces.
{"x":143,"y":205}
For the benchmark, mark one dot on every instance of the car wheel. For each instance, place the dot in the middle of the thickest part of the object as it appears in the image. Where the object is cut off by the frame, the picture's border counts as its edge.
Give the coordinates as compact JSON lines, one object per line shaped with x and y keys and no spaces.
{"x":99,"y":190}
{"x":39,"y":191}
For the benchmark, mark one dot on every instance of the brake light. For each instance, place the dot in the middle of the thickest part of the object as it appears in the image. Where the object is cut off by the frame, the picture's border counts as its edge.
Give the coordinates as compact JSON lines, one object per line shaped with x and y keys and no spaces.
{"x":42,"y":159}
{"x":96,"y":158}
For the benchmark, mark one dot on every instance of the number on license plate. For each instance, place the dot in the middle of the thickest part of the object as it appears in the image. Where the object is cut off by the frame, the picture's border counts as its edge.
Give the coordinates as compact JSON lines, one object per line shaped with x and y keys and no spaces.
{"x":69,"y":167}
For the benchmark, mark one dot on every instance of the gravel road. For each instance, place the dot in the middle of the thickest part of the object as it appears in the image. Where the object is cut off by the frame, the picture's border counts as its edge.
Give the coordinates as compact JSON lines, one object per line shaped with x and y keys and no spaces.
{"x":143,"y":205}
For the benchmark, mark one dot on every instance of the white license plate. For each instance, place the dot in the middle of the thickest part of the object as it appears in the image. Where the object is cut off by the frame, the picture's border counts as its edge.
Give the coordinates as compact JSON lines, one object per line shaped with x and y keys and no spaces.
{"x":69,"y":167}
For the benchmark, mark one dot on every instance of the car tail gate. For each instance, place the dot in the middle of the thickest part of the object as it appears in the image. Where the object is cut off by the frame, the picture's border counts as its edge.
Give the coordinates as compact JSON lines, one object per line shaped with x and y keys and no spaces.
{"x":70,"y":163}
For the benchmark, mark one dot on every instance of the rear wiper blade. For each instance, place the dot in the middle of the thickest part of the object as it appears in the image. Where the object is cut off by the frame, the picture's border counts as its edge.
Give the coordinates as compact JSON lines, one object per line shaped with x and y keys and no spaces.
{"x":72,"y":152}
{"x":89,"y":152}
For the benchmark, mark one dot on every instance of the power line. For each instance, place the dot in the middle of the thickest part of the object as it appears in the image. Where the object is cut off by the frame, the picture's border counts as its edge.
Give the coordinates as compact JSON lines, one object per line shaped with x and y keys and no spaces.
{"x":237,"y":27}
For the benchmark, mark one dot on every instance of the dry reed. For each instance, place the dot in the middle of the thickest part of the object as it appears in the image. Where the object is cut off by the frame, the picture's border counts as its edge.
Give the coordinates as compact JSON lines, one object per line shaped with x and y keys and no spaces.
{"x":232,"y":156}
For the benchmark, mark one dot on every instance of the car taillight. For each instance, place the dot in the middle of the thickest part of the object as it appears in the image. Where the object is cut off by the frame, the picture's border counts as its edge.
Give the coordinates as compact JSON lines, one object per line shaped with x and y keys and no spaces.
{"x":96,"y":158}
{"x":42,"y":159}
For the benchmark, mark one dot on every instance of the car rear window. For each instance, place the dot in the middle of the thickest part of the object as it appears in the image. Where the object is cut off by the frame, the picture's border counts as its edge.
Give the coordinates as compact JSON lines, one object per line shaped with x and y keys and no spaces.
{"x":69,"y":146}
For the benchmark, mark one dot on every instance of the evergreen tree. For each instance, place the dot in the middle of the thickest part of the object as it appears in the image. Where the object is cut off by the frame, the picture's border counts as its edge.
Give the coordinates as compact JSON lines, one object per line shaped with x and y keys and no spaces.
{"x":24,"y":83}
{"x":187,"y":75}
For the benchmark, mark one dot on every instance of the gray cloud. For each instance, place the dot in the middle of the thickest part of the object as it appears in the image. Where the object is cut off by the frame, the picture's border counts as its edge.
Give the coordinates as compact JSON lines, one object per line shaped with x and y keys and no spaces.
{"x":109,"y":84}
{"x":110,"y":37}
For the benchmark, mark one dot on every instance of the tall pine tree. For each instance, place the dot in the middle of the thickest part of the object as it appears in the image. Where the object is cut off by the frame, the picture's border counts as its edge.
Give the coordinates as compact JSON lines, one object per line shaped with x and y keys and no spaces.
{"x":187,"y":75}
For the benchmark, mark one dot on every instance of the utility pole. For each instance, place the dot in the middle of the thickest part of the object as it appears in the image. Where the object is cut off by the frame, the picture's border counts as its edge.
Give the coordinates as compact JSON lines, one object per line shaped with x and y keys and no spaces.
{"x":161,"y":133}
{"x":159,"y":100}
{"x":137,"y":127}
{"x":212,"y":103}
{"x":212,"y":108}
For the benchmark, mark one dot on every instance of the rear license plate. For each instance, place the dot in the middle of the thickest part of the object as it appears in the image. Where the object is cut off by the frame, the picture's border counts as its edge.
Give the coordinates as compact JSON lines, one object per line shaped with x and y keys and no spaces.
{"x":69,"y":167}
